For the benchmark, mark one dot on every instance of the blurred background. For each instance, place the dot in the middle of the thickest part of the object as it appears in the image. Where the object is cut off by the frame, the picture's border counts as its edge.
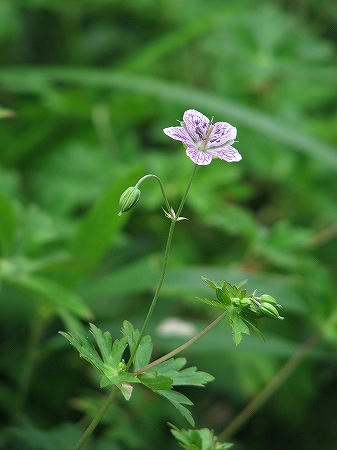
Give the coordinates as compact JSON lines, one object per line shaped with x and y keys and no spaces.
{"x":85,"y":90}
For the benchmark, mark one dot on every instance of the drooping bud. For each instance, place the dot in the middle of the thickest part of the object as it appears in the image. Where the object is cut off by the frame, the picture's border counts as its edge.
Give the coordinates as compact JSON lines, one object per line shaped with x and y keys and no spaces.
{"x":129,"y":199}
{"x":265,"y":298}
{"x":269,"y":310}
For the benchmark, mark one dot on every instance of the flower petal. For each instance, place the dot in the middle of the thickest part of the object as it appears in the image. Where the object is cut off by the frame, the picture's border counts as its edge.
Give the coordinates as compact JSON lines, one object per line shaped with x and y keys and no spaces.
{"x":178,"y":133}
{"x":229,"y":154}
{"x":221,"y":133}
{"x":198,"y":157}
{"x":196,"y":124}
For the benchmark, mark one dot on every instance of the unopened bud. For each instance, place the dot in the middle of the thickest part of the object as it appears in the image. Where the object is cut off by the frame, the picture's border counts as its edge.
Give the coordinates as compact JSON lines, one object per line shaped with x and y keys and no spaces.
{"x":270,"y":311}
{"x":129,"y":199}
{"x":265,"y":298}
{"x":245,"y":301}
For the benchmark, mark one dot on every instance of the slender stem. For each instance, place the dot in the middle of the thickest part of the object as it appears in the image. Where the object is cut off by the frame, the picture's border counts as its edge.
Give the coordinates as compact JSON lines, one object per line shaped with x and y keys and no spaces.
{"x":151,"y":175}
{"x":182,"y":203}
{"x":96,"y":419}
{"x":279,"y":378}
{"x":163,"y":270}
{"x":37,"y":328}
{"x":183,"y":346}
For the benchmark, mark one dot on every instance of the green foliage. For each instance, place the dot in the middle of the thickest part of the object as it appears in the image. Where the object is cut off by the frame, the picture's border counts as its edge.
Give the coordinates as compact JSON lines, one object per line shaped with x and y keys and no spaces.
{"x":173,"y":368}
{"x":160,"y":378}
{"x":202,"y":439}
{"x":109,"y":361}
{"x":243,"y":309}
{"x":84,"y":99}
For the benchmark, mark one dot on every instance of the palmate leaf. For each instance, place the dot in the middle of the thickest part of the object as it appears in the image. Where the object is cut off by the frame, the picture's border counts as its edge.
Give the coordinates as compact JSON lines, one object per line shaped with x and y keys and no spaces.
{"x":108,"y":362}
{"x":186,"y":377}
{"x":156,"y":382}
{"x":238,"y":326}
{"x":144,"y":350}
{"x":168,"y":374}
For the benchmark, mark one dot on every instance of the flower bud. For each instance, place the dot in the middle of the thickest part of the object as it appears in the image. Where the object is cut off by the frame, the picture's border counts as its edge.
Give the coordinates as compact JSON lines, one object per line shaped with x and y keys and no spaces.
{"x":265,"y":298}
{"x":129,"y":199}
{"x":245,"y":301}
{"x":270,"y":311}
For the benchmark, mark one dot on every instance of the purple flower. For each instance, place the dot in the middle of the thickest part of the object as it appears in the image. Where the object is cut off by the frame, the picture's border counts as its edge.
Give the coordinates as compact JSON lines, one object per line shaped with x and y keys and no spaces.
{"x":205,"y":140}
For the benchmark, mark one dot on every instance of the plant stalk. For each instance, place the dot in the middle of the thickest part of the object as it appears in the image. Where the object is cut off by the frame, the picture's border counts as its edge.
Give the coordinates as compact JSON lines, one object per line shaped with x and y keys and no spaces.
{"x":37,"y":328}
{"x":183,"y":346}
{"x":278,"y":379}
{"x":95,"y":421}
{"x":111,"y":396}
{"x":163,"y":270}
{"x":151,"y":175}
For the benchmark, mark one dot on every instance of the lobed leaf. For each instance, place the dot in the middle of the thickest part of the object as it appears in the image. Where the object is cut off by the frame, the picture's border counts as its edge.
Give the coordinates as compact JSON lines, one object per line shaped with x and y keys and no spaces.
{"x":186,"y":377}
{"x":178,"y":400}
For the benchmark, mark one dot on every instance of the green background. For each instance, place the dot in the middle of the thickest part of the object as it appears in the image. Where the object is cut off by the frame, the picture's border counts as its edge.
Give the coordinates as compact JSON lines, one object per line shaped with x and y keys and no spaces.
{"x":86,"y":87}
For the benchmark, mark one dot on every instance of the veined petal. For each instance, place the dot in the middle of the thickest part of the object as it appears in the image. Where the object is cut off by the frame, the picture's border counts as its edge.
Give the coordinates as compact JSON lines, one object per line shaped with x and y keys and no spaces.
{"x":179,"y":133}
{"x":229,"y":154}
{"x":199,"y":157}
{"x":221,"y":133}
{"x":196,"y":124}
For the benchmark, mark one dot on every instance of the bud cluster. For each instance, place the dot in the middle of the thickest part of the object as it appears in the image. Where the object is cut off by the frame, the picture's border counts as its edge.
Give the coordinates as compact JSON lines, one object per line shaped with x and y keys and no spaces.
{"x":229,"y":295}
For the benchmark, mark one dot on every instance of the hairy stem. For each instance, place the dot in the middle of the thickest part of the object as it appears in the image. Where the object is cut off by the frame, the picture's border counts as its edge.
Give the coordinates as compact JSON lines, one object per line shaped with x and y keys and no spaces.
{"x":95,"y":421}
{"x":183,"y":346}
{"x":278,"y":379}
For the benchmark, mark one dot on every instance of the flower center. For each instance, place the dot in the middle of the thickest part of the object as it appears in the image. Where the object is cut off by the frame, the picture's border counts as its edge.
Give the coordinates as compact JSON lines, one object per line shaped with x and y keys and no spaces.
{"x":202,"y":144}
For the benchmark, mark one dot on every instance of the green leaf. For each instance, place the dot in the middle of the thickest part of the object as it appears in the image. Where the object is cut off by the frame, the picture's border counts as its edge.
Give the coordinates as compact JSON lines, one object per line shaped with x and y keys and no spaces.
{"x":8,"y":223}
{"x":210,"y":302}
{"x":144,"y":351}
{"x":85,"y":348}
{"x":178,"y":400}
{"x":210,"y":283}
{"x":186,"y":377}
{"x":223,"y":297}
{"x":156,"y":382}
{"x":254,"y":327}
{"x":58,"y":297}
{"x":238,"y":326}
{"x":109,"y":362}
{"x":200,"y":439}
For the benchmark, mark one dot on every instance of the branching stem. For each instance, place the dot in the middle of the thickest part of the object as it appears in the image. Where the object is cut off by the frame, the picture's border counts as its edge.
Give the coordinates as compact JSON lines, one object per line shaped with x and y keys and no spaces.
{"x":183,"y":346}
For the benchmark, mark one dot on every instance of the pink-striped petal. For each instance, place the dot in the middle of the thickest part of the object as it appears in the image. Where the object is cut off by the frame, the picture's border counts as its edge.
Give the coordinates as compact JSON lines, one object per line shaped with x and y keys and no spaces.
{"x":198,"y":157}
{"x":229,"y":154}
{"x":196,"y":124}
{"x":179,"y":133}
{"x":221,"y":133}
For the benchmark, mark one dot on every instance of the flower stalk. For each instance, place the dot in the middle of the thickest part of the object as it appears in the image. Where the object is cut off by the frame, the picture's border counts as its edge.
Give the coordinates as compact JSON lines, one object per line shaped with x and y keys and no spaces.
{"x":183,"y":346}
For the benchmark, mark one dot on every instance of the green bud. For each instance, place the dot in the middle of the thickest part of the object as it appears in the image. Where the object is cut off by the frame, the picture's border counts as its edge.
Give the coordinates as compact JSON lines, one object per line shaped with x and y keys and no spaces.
{"x":265,"y":298}
{"x":245,"y":301}
{"x":236,"y":301}
{"x":129,"y":199}
{"x":270,"y":311}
